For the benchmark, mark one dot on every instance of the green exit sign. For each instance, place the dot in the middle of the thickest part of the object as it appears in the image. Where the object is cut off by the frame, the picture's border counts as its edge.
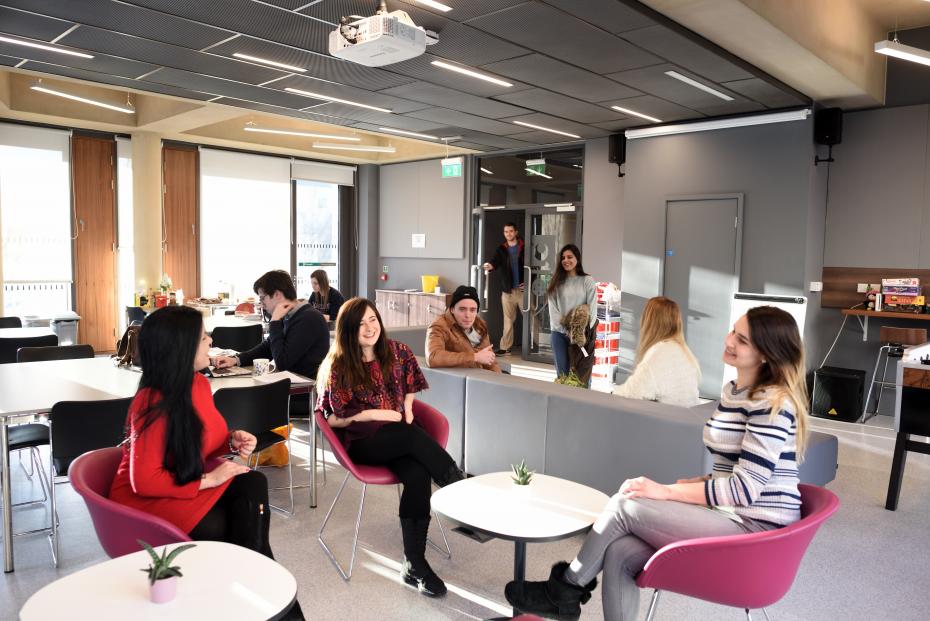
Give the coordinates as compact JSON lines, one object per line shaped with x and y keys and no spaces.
{"x":536,"y":167}
{"x":451,"y":167}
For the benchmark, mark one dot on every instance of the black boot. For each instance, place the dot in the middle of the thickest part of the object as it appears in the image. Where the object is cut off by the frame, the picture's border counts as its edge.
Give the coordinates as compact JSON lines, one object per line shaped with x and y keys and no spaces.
{"x":555,"y":598}
{"x":415,"y":570}
{"x":450,"y":476}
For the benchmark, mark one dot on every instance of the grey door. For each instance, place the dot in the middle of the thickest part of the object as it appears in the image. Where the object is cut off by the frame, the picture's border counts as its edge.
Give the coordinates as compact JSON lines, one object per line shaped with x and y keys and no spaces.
{"x":701,"y":273}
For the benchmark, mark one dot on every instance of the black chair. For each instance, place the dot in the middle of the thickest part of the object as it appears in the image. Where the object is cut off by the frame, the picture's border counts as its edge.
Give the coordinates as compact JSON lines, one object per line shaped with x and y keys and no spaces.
{"x":9,"y":347}
{"x":134,"y":313}
{"x":76,"y":428}
{"x":59,"y":352}
{"x":11,"y":322}
{"x":238,"y":338}
{"x":258,"y":409}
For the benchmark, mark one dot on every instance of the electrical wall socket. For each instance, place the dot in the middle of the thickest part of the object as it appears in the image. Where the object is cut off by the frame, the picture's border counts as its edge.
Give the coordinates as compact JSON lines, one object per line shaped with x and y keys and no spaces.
{"x":816,"y":286}
{"x":862,"y":287}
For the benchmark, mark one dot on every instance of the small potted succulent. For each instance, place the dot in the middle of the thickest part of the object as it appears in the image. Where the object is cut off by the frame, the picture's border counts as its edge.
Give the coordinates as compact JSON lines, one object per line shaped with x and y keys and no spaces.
{"x":521,"y":477}
{"x":163,"y":577}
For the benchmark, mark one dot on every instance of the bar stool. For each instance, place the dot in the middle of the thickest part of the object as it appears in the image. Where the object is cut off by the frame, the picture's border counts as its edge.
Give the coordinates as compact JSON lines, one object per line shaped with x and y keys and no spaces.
{"x":894,"y":340}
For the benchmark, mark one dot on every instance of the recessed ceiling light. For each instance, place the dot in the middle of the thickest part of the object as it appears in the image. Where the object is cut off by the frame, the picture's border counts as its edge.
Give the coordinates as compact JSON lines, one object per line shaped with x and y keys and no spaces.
{"x":361,"y":147}
{"x":485,"y":170}
{"x":436,"y":5}
{"x":92,"y":102}
{"x":546,"y":129}
{"x":289,"y":132}
{"x":904,"y":52}
{"x":696,"y":84}
{"x":265,"y":61}
{"x":639,"y":114}
{"x":470,"y":73}
{"x":47,"y":48}
{"x":335,"y":99}
{"x":536,"y":172}
{"x":406,"y":133}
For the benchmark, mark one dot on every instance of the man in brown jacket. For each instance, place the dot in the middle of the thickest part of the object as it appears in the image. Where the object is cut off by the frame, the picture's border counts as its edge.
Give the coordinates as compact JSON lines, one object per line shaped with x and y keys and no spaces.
{"x":459,"y":338}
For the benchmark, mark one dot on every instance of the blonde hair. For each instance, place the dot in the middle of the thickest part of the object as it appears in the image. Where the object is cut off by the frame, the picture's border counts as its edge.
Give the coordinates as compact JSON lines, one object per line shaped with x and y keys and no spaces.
{"x":661,"y":321}
{"x":774,"y":333}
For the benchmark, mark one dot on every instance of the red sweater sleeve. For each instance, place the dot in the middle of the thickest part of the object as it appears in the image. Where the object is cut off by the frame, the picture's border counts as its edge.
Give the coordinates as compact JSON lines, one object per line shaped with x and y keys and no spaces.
{"x":147,"y":474}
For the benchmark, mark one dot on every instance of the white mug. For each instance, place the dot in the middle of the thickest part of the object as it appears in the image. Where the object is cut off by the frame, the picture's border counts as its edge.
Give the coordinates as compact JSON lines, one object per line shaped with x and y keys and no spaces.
{"x":261,"y":366}
{"x":437,"y":290}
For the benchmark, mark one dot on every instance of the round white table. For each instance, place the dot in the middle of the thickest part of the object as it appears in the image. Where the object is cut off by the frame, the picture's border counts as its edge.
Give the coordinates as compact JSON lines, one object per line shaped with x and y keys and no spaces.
{"x":22,"y":333}
{"x":221,"y":581}
{"x":551,"y":509}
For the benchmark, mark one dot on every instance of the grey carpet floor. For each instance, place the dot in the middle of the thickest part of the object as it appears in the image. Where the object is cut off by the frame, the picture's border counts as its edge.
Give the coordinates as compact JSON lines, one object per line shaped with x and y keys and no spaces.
{"x":866,"y":563}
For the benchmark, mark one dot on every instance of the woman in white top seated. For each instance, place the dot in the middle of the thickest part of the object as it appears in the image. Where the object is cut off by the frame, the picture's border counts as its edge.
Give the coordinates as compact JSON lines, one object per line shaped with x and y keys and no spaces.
{"x":666,"y":370}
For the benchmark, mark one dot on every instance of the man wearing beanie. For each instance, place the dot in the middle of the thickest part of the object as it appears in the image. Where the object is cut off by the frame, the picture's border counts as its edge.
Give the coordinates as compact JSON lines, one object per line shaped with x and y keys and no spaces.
{"x":459,"y":338}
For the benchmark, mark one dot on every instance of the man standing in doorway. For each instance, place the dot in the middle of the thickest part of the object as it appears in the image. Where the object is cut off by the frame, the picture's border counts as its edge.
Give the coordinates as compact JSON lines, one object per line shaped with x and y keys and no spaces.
{"x":508,"y":261}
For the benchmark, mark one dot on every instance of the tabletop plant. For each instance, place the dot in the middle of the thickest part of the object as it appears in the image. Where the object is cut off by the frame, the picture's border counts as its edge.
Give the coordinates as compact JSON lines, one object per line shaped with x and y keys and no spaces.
{"x":521,"y":474}
{"x":161,"y":567}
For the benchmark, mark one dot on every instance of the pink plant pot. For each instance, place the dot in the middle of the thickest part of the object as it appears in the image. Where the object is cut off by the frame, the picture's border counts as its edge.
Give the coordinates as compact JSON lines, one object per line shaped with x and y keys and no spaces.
{"x":164,"y":590}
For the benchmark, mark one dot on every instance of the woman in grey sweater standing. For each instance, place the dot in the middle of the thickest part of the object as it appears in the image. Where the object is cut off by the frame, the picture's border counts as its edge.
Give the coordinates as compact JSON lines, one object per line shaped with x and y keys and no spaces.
{"x":570,"y":287}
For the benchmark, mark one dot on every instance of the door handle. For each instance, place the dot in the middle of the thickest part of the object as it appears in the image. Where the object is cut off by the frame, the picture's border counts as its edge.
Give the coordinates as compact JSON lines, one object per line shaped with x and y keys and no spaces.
{"x":472,"y":277}
{"x":526,"y":287}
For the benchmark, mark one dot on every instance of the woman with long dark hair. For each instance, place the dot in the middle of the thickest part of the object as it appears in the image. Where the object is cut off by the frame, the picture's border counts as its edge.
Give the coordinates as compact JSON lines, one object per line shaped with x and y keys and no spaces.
{"x":173,"y":464}
{"x":569,"y":288}
{"x":367,"y":385}
{"x":757,"y":437}
{"x":325,"y":298}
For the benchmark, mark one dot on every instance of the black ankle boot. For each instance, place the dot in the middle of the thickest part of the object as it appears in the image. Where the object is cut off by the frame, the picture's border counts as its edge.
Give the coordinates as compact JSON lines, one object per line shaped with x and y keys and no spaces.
{"x":451,"y":475}
{"x":415,"y":571}
{"x":555,"y":598}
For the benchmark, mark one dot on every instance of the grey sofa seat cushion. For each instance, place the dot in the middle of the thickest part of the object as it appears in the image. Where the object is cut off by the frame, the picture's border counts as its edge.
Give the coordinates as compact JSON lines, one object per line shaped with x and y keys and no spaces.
{"x":446,"y":393}
{"x":414,"y":338}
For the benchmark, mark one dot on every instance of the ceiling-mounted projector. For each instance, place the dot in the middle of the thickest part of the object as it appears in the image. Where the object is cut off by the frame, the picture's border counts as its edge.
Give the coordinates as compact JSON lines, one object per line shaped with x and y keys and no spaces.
{"x":382,"y":39}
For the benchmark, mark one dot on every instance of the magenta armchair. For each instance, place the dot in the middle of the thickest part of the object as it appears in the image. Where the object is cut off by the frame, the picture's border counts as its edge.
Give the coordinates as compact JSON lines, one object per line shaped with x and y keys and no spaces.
{"x":745,"y":571}
{"x":117,"y":525}
{"x":435,"y":425}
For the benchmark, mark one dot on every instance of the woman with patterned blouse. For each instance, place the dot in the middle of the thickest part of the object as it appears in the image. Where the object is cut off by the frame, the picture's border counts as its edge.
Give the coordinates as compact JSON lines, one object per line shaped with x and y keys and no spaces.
{"x":367,"y":385}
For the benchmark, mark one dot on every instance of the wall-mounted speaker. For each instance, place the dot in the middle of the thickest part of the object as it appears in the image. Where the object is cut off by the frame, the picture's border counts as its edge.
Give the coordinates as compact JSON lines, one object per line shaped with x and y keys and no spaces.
{"x":616,"y":149}
{"x":828,"y":126}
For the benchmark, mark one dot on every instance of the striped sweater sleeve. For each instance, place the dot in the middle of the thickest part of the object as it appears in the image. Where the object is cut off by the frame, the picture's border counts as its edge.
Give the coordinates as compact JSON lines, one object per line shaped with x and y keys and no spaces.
{"x":754,"y":458}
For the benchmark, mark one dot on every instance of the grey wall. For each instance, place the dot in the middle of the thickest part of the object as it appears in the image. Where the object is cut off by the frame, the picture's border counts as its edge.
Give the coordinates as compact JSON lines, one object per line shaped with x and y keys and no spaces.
{"x":602,"y":231}
{"x":368,"y":267}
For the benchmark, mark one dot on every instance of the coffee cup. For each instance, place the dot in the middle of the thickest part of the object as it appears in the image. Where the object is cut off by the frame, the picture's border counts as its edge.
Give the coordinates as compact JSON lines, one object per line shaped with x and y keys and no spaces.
{"x":261,"y":366}
{"x":437,"y":290}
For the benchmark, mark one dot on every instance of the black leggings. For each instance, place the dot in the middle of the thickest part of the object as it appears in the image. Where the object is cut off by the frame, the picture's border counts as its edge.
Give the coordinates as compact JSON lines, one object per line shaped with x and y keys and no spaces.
{"x":412,"y":455}
{"x":240,"y":516}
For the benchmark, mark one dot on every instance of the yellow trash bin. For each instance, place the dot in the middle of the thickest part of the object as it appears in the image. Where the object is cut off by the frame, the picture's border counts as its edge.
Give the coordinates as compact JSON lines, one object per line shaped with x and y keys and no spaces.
{"x":429,"y":282}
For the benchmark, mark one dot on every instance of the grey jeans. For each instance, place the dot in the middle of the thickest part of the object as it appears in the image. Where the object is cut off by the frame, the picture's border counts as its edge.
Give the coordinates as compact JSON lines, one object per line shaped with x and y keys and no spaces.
{"x":628,"y":532}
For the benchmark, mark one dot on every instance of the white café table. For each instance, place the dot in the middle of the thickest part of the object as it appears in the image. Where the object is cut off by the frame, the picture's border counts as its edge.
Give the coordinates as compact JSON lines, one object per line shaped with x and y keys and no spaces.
{"x":550,"y":510}
{"x":220,"y":581}
{"x":35,"y":387}
{"x":22,"y":333}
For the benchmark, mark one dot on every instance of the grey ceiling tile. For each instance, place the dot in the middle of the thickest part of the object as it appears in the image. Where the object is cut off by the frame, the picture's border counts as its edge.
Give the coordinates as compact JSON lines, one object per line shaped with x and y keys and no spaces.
{"x":456,"y":100}
{"x":125,"y":18}
{"x":682,"y":51}
{"x":290,"y":5}
{"x":323,"y":67}
{"x":652,"y":80}
{"x":163,"y":54}
{"x":30,"y":25}
{"x":539,"y":138}
{"x":561,"y":105}
{"x":228,"y":88}
{"x":615,"y":126}
{"x":611,"y":16}
{"x":551,"y":122}
{"x":372,"y":117}
{"x":733,"y":107}
{"x":471,"y":145}
{"x":498,"y":142}
{"x":468,"y":121}
{"x":351,"y":93}
{"x":422,"y":15}
{"x":765,"y":93}
{"x":547,"y":30}
{"x":422,"y":69}
{"x":10,"y":61}
{"x":100,"y":62}
{"x":297,"y":114}
{"x":376,"y":127}
{"x":655,"y":107}
{"x":560,"y":77}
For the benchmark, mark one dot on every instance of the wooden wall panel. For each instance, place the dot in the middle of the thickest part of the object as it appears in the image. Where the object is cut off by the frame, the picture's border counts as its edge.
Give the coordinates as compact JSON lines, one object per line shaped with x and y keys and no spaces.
{"x":182,"y":227}
{"x":839,"y":283}
{"x":93,"y":174}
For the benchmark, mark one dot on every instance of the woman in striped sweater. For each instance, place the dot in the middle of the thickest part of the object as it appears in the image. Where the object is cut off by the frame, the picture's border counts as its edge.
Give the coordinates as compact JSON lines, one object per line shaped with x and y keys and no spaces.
{"x":756,"y":436}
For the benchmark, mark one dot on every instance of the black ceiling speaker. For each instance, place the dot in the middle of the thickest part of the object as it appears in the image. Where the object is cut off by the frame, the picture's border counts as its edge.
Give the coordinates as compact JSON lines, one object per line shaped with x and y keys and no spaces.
{"x":616,"y":151}
{"x":828,"y":126}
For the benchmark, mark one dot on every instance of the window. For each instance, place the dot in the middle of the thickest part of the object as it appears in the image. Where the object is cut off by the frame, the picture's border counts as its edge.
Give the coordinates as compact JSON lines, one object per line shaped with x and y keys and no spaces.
{"x":531,"y":178}
{"x":35,"y":220}
{"x":317,"y":233}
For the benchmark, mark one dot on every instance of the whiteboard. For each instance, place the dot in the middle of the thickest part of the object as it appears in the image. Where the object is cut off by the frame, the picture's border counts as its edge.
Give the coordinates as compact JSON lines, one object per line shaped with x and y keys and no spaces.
{"x":796,"y":306}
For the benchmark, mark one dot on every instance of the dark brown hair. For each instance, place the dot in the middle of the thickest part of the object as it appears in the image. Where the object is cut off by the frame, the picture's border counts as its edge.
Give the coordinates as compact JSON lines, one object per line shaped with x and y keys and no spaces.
{"x":323,"y":279}
{"x":560,"y":274}
{"x":276,"y":280}
{"x":345,"y":356}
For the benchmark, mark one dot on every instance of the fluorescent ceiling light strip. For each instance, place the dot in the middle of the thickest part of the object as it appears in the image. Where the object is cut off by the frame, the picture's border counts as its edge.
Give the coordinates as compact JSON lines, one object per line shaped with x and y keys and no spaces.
{"x":536,"y":172}
{"x":48,"y":48}
{"x":696,"y":84}
{"x":265,"y":61}
{"x":470,"y":73}
{"x":904,"y":52}
{"x":546,"y":129}
{"x":92,"y":102}
{"x":701,"y":126}
{"x":436,"y":5}
{"x":406,"y":133}
{"x":558,"y":204}
{"x":639,"y":114}
{"x":287,"y":132}
{"x":335,"y":99}
{"x":485,"y":170}
{"x":344,"y":147}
